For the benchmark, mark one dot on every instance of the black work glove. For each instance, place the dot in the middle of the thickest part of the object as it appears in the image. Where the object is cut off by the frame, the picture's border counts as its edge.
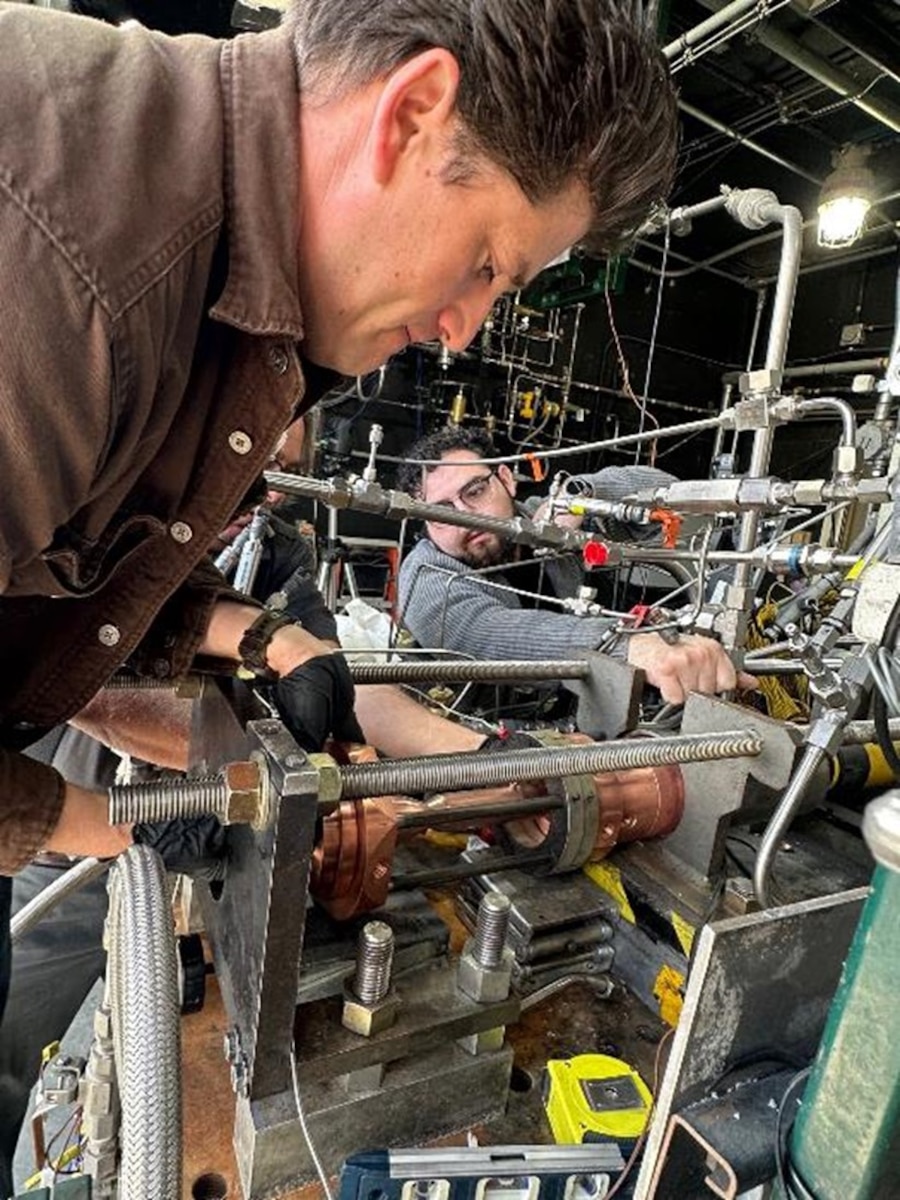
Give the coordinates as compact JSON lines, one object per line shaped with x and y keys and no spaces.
{"x":315,"y":700}
{"x":188,"y":845}
{"x":301,"y":600}
{"x":508,"y":739}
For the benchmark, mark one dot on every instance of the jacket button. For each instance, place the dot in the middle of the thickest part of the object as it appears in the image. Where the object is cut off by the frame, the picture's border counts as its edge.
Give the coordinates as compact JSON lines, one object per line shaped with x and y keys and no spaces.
{"x":278,"y":359}
{"x":240,"y":442}
{"x":181,"y":531}
{"x":108,"y":635}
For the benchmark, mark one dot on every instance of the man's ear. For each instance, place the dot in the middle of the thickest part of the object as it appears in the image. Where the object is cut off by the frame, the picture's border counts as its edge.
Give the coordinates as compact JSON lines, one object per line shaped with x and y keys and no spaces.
{"x":506,"y":477}
{"x":417,"y":100}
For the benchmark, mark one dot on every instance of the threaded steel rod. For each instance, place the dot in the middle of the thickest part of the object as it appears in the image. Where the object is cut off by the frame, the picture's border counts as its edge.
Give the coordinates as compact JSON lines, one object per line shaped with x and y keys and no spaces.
{"x":166,"y":799}
{"x":447,"y":772}
{"x":374,"y":956}
{"x":494,"y":865}
{"x":490,"y":929}
{"x":465,"y":671}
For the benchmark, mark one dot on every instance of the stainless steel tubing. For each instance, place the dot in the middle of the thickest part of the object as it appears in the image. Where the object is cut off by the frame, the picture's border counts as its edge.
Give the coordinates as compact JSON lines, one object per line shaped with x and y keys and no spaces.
{"x":44,"y":902}
{"x":466,"y":671}
{"x":831,"y":404}
{"x":780,"y":820}
{"x":784,"y":666}
{"x":857,"y":733}
{"x":146,"y":1020}
{"x":447,"y":772}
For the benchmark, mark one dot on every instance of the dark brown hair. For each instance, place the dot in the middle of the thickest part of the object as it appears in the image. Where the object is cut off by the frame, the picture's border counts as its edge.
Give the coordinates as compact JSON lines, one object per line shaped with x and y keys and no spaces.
{"x":551,"y":91}
{"x":432,"y":447}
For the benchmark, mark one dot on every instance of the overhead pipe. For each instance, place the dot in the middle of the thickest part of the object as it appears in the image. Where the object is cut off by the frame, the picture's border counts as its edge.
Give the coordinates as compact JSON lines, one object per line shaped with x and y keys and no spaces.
{"x":822,"y":70}
{"x":708,"y":264}
{"x":735,"y":136}
{"x":847,"y":366}
{"x":688,"y":39}
{"x":848,"y":39}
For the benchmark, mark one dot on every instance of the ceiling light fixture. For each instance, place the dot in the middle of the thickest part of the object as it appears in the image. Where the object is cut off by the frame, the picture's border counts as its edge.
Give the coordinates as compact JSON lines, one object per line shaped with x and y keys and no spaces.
{"x":846,"y":197}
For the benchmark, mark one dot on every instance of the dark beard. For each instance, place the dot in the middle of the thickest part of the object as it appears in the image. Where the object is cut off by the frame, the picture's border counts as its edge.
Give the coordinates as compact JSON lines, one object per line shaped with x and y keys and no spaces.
{"x":492,"y":558}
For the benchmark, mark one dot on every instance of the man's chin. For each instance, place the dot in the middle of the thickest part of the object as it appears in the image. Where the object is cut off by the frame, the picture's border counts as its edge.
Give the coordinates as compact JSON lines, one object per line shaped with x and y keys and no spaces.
{"x":482,"y":556}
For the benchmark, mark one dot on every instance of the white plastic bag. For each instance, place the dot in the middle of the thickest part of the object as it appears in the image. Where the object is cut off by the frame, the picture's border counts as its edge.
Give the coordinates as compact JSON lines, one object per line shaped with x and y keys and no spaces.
{"x":364,"y":632}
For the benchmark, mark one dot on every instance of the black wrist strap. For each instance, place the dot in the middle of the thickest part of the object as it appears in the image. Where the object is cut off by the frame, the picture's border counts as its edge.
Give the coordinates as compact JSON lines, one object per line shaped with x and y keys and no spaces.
{"x":255,"y":642}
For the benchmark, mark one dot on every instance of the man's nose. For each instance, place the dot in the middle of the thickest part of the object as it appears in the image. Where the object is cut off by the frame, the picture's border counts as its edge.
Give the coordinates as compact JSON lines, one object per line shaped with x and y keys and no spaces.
{"x":459,"y":322}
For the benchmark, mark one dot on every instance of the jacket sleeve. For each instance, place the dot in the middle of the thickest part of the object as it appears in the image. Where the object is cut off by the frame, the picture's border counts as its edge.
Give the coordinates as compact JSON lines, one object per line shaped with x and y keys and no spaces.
{"x":31,"y":799}
{"x":445,"y":606}
{"x":168,"y":648}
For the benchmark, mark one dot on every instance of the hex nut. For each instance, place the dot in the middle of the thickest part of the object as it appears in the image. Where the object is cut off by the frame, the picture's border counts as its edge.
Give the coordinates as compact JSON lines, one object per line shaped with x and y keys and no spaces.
{"x":848,"y":460}
{"x":243,"y":792}
{"x":484,"y":984}
{"x":369,"y":1019}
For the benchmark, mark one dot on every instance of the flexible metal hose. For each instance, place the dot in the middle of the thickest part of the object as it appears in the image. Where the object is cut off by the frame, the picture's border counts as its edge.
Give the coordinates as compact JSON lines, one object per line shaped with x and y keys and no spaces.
{"x":466,"y":671}
{"x":70,"y":881}
{"x":143,"y":991}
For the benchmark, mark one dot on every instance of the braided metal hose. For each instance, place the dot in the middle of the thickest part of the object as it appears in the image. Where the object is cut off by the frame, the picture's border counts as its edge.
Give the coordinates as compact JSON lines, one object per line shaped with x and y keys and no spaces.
{"x":143,"y":993}
{"x":447,"y":772}
{"x":466,"y":671}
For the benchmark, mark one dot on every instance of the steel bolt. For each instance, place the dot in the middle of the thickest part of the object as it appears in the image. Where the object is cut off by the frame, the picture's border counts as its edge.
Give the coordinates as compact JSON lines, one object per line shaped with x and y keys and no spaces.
{"x":490,"y":929}
{"x":374,"y":956}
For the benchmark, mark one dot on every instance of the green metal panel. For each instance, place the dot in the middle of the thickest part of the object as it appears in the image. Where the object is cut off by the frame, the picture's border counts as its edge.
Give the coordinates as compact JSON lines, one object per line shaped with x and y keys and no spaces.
{"x":846,"y":1139}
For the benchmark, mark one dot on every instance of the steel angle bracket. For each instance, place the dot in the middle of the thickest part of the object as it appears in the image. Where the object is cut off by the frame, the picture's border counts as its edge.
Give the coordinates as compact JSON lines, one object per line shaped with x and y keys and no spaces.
{"x":716,"y":793}
{"x":609,"y":699}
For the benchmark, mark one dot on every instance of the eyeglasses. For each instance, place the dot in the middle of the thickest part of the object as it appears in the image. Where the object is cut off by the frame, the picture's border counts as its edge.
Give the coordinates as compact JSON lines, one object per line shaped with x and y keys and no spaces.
{"x":472,"y":495}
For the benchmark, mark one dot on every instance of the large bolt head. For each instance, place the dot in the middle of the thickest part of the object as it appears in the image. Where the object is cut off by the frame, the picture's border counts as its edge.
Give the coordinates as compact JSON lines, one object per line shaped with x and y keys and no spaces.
{"x":369,"y":1019}
{"x":484,"y":984}
{"x":243,"y":791}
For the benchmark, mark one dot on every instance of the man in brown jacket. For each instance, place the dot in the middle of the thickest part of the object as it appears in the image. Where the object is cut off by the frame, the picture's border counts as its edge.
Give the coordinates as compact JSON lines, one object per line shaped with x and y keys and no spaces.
{"x":180,"y":221}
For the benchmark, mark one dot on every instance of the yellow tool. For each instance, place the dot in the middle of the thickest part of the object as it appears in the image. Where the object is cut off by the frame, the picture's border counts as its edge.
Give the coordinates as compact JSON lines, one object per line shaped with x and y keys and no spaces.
{"x":594,"y":1097}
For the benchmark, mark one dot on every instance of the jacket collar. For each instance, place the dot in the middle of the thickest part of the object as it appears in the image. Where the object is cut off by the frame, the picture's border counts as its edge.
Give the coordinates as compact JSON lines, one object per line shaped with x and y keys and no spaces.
{"x":261,"y":100}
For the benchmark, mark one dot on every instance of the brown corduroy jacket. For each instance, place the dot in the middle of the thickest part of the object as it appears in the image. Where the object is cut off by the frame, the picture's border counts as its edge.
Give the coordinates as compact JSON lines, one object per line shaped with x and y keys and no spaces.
{"x":149,"y":330}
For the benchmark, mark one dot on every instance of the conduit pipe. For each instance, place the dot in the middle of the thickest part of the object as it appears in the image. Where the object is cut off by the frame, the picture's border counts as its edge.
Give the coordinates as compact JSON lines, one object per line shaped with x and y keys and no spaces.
{"x":755,"y":208}
{"x":822,"y":70}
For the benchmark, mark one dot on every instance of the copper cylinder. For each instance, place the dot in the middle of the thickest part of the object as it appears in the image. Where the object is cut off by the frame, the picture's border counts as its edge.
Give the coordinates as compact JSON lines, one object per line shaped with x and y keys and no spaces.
{"x":354,"y":857}
{"x":646,"y":802}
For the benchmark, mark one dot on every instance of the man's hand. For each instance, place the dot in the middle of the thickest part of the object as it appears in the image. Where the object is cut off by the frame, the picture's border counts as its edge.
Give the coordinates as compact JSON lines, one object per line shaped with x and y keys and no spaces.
{"x":315,"y":700}
{"x":692,"y":664}
{"x":83,"y":827}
